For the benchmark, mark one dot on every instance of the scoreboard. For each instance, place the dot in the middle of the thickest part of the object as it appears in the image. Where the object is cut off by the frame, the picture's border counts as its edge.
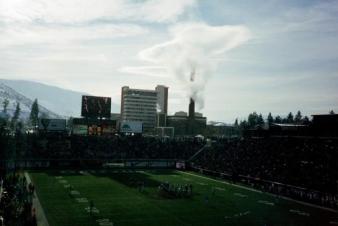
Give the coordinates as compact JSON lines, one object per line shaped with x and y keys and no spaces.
{"x":93,"y":107}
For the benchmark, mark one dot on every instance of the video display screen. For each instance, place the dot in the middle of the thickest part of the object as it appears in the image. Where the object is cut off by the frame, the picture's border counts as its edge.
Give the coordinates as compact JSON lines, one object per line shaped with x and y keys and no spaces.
{"x":93,"y":106}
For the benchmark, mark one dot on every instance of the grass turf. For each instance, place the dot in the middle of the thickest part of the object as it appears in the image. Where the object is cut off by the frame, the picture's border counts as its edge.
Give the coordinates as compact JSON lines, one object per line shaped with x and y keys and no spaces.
{"x":117,"y":198}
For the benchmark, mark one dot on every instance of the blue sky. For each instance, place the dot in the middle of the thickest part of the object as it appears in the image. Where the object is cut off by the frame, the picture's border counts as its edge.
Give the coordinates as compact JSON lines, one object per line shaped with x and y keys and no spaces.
{"x":285,"y":56}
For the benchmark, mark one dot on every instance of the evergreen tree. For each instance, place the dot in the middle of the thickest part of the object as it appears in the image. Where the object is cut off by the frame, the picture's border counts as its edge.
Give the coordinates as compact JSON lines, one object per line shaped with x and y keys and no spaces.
{"x":252,"y":119}
{"x":260,"y":120}
{"x":289,"y":118}
{"x":298,"y":117}
{"x":306,"y":120}
{"x":17,"y":112}
{"x":34,"y":115}
{"x":16,"y":116}
{"x":278,"y":119}
{"x":243,"y":125}
{"x":236,"y":123}
{"x":5,"y":105}
{"x":270,"y":118}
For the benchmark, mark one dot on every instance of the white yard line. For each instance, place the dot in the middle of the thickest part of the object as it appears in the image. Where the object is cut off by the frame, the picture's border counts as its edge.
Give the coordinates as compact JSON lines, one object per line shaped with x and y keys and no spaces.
{"x":299,"y":212}
{"x":240,"y":195}
{"x":254,"y":190}
{"x":40,"y":214}
{"x":220,"y":189}
{"x":266,"y":202}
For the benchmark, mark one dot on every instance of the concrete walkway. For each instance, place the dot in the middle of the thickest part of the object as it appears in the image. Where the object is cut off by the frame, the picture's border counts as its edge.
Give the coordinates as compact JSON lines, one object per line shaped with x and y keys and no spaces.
{"x":40,"y":214}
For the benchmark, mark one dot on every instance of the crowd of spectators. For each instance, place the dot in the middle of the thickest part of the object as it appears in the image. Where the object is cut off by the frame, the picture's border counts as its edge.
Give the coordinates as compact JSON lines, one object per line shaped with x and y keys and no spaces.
{"x":308,"y":166}
{"x":16,"y":201}
{"x":113,"y":147}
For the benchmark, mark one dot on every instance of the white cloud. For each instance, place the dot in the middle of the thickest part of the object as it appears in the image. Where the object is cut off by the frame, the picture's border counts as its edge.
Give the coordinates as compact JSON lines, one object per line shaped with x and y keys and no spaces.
{"x":40,"y":34}
{"x":191,"y":53}
{"x":152,"y":71}
{"x":77,"y":11}
{"x":161,"y":10}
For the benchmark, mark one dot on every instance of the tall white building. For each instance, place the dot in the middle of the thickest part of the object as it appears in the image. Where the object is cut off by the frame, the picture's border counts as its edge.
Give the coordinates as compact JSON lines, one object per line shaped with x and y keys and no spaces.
{"x":139,"y":105}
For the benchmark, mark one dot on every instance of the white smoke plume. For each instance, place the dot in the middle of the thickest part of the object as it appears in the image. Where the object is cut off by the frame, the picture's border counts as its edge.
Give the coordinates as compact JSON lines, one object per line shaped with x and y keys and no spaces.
{"x":193,"y":51}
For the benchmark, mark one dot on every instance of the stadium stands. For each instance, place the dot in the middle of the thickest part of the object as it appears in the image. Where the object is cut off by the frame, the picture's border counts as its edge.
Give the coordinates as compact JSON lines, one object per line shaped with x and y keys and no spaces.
{"x":16,"y":201}
{"x":113,"y":147}
{"x":305,"y":169}
{"x":301,"y":168}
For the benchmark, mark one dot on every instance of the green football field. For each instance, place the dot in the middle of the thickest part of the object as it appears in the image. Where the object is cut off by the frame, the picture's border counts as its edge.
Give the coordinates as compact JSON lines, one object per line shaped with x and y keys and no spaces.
{"x":118,"y":201}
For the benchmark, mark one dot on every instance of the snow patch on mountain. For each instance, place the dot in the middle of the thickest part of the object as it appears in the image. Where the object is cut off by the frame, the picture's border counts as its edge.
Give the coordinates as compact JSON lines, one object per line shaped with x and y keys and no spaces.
{"x":14,"y":97}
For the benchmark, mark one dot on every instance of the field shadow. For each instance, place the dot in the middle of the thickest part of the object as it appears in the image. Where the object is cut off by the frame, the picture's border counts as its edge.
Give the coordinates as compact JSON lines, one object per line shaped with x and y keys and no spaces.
{"x":142,"y":181}
{"x":132,"y":179}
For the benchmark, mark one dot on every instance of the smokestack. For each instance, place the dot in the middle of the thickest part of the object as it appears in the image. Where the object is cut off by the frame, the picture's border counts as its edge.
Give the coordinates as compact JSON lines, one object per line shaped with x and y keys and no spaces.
{"x":192,"y":102}
{"x":191,"y":108}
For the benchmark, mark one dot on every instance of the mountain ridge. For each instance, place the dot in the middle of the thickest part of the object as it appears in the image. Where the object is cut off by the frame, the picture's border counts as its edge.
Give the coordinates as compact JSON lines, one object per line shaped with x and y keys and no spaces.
{"x":15,"y":97}
{"x":58,"y":101}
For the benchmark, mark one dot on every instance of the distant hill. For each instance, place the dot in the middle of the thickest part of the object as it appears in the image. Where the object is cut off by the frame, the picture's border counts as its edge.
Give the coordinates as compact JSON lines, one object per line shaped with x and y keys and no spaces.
{"x":14,"y":97}
{"x":57,"y":101}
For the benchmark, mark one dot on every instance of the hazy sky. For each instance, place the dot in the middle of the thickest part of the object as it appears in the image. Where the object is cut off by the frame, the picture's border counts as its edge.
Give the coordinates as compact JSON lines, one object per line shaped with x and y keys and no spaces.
{"x":277,"y":56}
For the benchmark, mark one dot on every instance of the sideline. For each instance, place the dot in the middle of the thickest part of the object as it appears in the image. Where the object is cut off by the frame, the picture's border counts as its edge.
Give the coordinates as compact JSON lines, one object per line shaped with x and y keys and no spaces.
{"x":40,"y":214}
{"x":1,"y":190}
{"x":270,"y":194}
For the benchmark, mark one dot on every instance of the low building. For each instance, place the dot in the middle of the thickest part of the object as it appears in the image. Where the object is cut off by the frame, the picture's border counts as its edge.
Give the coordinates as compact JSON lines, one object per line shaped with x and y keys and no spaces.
{"x":187,"y":126}
{"x":52,"y":125}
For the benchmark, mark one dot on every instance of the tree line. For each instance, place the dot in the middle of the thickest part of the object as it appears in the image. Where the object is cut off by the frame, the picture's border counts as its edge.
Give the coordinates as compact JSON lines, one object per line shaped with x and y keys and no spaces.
{"x":14,"y":123}
{"x":257,"y":120}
